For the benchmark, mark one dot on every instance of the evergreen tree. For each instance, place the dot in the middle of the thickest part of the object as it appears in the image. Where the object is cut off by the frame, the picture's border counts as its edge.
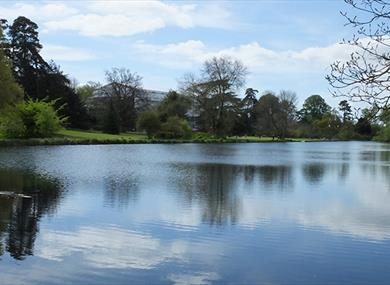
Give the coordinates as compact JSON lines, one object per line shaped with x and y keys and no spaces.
{"x":40,"y":79}
{"x":10,"y":91}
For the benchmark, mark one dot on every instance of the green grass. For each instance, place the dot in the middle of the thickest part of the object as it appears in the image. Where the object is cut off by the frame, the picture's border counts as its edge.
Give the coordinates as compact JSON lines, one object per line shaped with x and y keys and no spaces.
{"x":89,"y":135}
{"x":68,"y":137}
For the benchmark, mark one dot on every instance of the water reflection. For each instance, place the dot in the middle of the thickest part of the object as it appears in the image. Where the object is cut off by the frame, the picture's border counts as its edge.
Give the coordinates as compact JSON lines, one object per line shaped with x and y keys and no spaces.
{"x":119,"y":191}
{"x":314,"y":172}
{"x":198,"y":214}
{"x":218,"y":186}
{"x":19,"y":217}
{"x":127,"y":249}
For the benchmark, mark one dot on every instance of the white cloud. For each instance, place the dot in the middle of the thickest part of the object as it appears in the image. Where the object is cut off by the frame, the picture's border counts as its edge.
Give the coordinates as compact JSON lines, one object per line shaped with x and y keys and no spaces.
{"x":258,"y":58}
{"x":127,"y":249}
{"x":120,"y":18}
{"x":37,"y":12}
{"x":64,"y":53}
{"x":105,"y":25}
{"x":203,"y":278}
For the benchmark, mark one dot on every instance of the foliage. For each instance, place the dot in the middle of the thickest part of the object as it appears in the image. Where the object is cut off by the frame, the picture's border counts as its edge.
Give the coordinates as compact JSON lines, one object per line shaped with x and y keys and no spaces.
{"x":112,"y":121}
{"x":313,"y":109}
{"x":347,"y":132}
{"x":246,"y":120}
{"x":174,"y":104}
{"x":40,"y":79}
{"x":268,"y":113}
{"x":328,"y":125}
{"x":84,"y":92}
{"x":346,"y":111}
{"x":275,"y":114}
{"x":31,"y":119}
{"x":149,"y":122}
{"x":175,"y":127}
{"x":10,"y":91}
{"x":215,"y":93}
{"x":384,"y":134}
{"x":363,"y":127}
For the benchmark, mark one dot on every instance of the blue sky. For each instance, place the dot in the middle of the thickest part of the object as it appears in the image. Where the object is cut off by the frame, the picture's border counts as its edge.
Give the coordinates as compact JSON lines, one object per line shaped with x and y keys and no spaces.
{"x":285,"y":44}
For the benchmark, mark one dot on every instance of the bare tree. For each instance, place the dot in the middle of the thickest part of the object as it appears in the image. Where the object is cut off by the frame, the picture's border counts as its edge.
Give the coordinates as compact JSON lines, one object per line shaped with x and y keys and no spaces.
{"x":126,"y":96}
{"x":288,"y":101}
{"x":366,"y":75}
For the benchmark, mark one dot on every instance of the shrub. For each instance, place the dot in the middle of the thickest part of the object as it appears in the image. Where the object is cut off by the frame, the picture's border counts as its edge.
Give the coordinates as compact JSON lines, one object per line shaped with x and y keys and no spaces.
{"x":384,"y":134}
{"x":30,"y":119}
{"x":175,"y":128}
{"x":149,"y":122}
{"x":347,"y":132}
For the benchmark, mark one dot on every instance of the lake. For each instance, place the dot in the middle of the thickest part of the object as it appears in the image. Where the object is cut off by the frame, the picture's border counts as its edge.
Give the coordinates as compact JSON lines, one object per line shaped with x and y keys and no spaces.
{"x":274,"y":213}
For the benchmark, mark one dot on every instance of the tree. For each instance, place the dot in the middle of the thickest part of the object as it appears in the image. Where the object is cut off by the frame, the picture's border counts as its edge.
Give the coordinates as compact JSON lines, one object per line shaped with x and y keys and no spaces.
{"x":22,"y":46}
{"x":174,"y":104}
{"x":363,"y":127}
{"x":269,"y":116}
{"x":215,"y":92}
{"x":314,"y":108}
{"x":250,"y":99}
{"x":346,"y":111}
{"x":111,"y":121}
{"x":149,"y":122}
{"x":124,"y":90}
{"x":40,"y":79}
{"x":10,"y":91}
{"x":328,"y":125}
{"x":288,"y":101}
{"x":84,"y":92}
{"x":365,"y":76}
{"x":247,"y":118}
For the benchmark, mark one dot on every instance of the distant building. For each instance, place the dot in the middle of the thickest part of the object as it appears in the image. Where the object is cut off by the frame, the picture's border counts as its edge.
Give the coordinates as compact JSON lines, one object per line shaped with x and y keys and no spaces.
{"x":155,"y":96}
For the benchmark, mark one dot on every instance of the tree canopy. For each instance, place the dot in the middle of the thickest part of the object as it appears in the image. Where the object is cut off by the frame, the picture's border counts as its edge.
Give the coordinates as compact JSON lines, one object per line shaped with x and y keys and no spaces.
{"x":10,"y":91}
{"x":39,"y":79}
{"x":215,"y":92}
{"x":314,"y":108}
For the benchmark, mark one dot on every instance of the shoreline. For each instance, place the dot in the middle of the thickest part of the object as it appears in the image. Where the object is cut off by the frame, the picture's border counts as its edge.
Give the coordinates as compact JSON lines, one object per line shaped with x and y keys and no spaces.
{"x":78,"y":137}
{"x":67,"y":141}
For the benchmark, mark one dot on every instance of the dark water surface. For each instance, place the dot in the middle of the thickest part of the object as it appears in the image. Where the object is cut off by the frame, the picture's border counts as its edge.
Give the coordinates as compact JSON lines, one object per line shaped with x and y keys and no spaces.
{"x":297,"y":213}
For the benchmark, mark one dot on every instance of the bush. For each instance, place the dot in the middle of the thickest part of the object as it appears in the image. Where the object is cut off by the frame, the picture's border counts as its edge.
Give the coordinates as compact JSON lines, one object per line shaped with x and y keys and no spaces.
{"x":202,"y":136}
{"x":347,"y":132}
{"x":149,"y":122}
{"x":30,"y":119}
{"x":175,"y":128}
{"x":384,"y":134}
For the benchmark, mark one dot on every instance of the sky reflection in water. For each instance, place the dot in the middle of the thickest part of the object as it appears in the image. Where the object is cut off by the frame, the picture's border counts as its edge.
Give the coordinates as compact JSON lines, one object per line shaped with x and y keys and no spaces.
{"x":199,"y":214}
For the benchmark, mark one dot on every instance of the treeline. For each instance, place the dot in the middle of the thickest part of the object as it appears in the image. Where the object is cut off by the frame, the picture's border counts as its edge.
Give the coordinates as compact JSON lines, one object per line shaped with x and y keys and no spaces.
{"x":210,"y":103}
{"x":37,"y":98}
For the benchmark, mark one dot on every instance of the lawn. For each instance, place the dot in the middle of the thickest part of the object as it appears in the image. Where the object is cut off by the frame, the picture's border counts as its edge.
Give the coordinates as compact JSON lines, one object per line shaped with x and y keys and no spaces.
{"x":68,"y":137}
{"x":91,"y":135}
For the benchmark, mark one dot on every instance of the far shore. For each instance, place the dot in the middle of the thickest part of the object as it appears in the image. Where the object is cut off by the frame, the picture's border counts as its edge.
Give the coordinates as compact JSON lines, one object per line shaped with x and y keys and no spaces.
{"x":76,"y":137}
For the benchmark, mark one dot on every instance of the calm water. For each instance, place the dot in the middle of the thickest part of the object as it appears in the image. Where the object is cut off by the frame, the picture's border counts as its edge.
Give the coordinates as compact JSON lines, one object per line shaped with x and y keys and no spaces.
{"x":200,"y":214}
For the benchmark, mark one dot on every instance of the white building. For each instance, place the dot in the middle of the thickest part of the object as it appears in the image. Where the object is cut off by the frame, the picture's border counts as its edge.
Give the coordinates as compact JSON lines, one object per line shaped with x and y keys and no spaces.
{"x":155,"y":96}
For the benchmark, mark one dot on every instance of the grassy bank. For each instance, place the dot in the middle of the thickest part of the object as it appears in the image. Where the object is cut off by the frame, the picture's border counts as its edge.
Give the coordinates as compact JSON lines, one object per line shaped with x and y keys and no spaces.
{"x":74,"y":137}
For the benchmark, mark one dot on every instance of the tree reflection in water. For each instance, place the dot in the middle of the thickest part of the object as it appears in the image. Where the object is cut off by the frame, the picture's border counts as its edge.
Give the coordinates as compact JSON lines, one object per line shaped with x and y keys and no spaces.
{"x":19,"y":217}
{"x":217,"y":186}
